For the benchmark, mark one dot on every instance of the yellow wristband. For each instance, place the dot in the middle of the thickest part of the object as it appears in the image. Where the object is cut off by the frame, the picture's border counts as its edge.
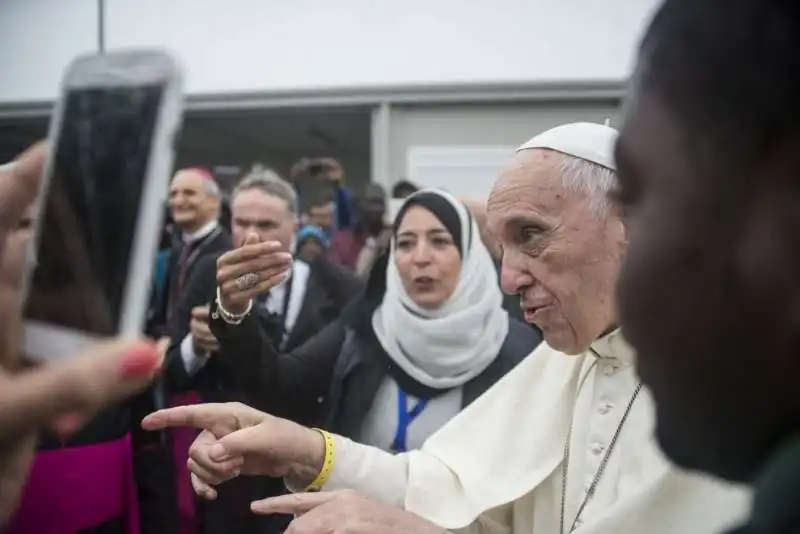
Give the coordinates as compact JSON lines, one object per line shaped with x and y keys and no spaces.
{"x":327,"y":463}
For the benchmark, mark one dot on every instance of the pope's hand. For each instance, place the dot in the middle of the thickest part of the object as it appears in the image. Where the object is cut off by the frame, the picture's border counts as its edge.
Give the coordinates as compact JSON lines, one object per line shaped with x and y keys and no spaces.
{"x":343,"y":512}
{"x":62,"y":395}
{"x":237,"y":439}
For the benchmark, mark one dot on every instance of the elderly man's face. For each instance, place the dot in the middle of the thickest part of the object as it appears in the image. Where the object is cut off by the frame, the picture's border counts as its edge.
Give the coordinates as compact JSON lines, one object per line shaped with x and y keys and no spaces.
{"x":559,"y":256}
{"x":190,"y":202}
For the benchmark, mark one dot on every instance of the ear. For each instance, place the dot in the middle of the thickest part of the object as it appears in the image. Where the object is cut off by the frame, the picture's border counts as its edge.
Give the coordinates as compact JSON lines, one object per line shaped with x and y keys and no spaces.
{"x":214,"y":202}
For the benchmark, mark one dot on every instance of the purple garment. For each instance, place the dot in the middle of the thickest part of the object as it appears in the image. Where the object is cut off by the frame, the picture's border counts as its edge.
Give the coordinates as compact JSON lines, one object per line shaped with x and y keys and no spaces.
{"x":182,"y":439}
{"x":76,"y":488}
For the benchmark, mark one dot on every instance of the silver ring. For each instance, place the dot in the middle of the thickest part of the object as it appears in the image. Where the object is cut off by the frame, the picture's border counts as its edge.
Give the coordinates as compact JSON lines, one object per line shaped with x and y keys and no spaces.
{"x":247,"y":281}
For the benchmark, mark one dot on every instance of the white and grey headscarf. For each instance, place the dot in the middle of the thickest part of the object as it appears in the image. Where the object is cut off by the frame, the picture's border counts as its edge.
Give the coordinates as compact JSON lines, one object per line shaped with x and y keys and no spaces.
{"x":448,"y":346}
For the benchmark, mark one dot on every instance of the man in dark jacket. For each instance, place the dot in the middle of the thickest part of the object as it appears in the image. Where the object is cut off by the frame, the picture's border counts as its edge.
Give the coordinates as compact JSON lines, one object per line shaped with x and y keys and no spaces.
{"x":264,"y":218}
{"x":194,"y":202}
{"x":708,"y":169}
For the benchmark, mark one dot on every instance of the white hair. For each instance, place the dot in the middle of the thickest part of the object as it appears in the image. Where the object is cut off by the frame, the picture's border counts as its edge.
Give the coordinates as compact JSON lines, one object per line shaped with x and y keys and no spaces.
{"x":212,"y":187}
{"x":595,"y":181}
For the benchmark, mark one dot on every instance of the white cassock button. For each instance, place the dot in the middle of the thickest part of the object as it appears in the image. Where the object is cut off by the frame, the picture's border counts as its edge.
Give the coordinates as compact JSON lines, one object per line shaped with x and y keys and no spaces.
{"x":609,"y":370}
{"x":320,"y":400}
{"x":597,"y":447}
{"x":604,"y":408}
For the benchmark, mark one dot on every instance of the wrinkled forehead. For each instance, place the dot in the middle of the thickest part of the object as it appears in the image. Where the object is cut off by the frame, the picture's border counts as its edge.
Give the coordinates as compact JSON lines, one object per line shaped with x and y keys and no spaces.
{"x":255,"y":203}
{"x":530,"y":183}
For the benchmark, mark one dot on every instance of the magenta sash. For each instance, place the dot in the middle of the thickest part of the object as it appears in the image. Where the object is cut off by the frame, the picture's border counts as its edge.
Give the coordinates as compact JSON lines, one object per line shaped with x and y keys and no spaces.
{"x":182,"y":439}
{"x":79,"y":487}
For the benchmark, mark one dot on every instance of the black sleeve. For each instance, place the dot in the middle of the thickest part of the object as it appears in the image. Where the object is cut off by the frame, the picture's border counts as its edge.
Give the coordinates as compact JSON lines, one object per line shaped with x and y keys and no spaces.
{"x":200,"y":289}
{"x":284,"y":384}
{"x":156,"y":314}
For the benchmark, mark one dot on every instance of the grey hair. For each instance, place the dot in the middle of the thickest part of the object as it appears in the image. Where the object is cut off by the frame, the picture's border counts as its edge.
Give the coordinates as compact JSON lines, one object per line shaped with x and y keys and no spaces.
{"x":212,"y":188}
{"x":269,"y":182}
{"x":595,"y":181}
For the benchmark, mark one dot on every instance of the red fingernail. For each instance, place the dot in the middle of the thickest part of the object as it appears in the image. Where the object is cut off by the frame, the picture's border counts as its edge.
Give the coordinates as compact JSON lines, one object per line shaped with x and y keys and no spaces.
{"x":67,"y":424}
{"x":141,"y":361}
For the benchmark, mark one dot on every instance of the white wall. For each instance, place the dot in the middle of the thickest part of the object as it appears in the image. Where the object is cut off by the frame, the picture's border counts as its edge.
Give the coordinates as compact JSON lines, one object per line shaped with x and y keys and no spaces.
{"x":263,"y":45}
{"x":481,"y":126}
{"x":38,"y":38}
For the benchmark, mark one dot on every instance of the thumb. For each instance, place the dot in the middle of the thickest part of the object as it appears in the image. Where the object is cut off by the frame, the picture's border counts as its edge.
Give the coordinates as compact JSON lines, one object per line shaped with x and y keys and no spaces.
{"x":251,"y":239}
{"x":243,"y":442}
{"x":106,"y":373}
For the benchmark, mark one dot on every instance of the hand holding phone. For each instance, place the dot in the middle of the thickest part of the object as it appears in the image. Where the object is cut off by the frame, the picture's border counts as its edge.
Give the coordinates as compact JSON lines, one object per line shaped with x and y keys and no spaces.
{"x":100,"y":212}
{"x":65,"y":394}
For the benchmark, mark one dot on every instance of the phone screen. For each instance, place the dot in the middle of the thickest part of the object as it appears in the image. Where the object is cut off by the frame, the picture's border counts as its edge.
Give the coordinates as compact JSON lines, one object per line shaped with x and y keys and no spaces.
{"x":89,"y":215}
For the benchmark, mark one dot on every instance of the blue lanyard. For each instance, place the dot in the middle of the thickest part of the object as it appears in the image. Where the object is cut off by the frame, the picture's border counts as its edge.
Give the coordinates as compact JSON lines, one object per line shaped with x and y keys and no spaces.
{"x":404,"y":418}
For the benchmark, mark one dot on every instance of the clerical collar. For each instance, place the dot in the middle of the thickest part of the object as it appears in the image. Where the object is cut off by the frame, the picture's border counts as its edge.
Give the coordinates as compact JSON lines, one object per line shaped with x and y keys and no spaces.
{"x":613,"y":346}
{"x":201,"y":233}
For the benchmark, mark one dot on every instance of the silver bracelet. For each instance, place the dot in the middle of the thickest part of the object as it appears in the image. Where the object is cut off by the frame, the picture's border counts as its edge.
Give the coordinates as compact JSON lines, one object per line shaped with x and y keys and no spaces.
{"x":230,"y":317}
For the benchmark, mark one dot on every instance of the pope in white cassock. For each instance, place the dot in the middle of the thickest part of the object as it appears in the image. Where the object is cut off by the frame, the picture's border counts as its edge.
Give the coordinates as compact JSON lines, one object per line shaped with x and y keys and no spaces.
{"x":562,"y":444}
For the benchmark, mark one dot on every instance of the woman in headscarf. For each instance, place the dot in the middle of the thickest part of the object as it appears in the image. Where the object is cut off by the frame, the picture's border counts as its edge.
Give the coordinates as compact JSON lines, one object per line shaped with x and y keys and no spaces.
{"x":427,"y":338}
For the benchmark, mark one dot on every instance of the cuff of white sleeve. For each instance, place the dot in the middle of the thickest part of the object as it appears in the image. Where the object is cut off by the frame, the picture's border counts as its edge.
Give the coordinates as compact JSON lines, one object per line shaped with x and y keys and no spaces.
{"x":366,"y":469}
{"x":191,"y":361}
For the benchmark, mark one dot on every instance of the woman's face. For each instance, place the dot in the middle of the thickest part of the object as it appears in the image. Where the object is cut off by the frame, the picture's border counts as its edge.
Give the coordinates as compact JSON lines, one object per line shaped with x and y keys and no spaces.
{"x":426,"y":258}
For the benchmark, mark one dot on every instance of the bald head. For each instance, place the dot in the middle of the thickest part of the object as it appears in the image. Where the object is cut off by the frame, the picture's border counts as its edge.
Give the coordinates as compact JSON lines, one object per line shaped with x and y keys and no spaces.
{"x":558,"y":254}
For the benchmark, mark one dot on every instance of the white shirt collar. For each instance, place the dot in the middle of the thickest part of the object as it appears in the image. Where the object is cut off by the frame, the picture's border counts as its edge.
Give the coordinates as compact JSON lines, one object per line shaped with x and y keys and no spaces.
{"x":201,"y":233}
{"x":300,"y":265}
{"x":613,"y":346}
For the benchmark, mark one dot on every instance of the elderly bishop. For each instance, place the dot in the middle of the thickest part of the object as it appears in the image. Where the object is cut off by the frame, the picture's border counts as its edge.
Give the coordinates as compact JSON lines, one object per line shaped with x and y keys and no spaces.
{"x":564,"y":443}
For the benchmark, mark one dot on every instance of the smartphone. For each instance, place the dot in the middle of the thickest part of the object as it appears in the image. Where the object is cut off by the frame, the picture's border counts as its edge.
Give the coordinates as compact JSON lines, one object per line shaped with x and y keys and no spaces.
{"x":99,"y":212}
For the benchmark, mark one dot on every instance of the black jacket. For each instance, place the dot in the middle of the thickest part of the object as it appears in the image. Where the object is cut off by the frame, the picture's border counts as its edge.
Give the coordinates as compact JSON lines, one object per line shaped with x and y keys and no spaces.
{"x":775,"y":509}
{"x":159,"y":323}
